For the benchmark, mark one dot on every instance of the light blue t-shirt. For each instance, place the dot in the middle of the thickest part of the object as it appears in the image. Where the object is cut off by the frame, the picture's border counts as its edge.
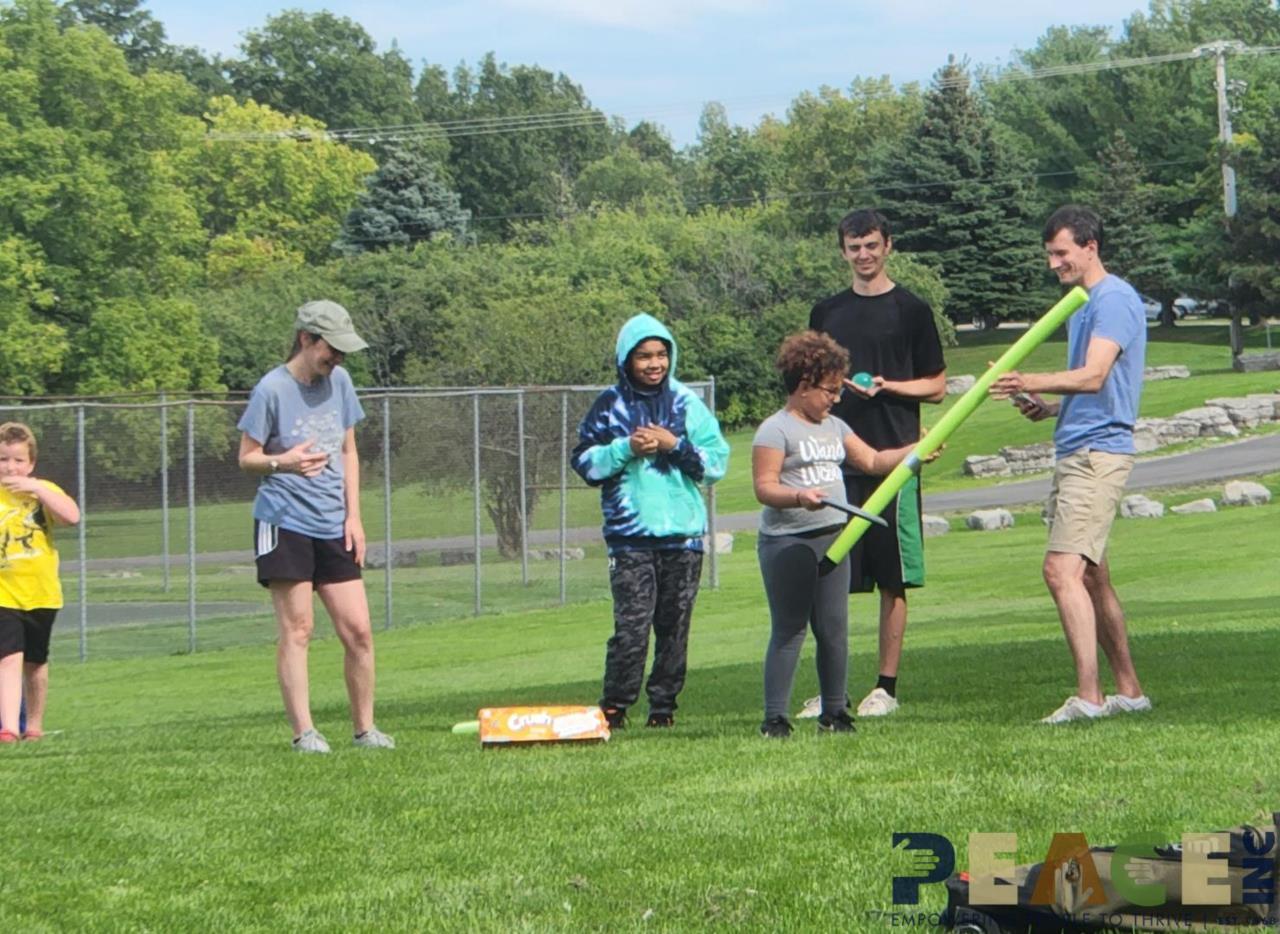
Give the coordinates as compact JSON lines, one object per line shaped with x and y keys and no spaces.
{"x":1104,"y":420}
{"x":282,"y":414}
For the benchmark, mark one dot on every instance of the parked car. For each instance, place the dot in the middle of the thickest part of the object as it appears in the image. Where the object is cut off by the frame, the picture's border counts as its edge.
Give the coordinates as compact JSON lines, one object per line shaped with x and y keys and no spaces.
{"x":1185,"y":305}
{"x":1152,"y":307}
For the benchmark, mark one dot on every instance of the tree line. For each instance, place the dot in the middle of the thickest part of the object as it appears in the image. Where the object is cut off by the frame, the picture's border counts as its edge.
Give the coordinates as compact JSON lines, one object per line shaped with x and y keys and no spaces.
{"x":162,"y":211}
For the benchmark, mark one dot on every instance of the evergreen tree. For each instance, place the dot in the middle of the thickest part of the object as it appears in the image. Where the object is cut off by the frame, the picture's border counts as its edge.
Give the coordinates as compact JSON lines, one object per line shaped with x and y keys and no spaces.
{"x":404,"y":202}
{"x":1128,"y":205}
{"x":962,"y":197}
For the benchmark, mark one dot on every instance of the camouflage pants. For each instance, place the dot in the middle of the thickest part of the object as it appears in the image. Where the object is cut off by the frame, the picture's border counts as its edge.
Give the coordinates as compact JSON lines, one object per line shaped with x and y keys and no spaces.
{"x":650,"y":589}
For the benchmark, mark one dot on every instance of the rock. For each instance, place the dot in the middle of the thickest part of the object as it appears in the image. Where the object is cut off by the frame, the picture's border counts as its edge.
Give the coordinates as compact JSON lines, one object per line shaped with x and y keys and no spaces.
{"x":1245,"y":493}
{"x":1177,"y":371}
{"x":958,"y":385}
{"x":553,"y":554}
{"x":1029,"y":458}
{"x":1137,"y":506}
{"x":451,"y":557}
{"x":988,"y":520}
{"x":1265,"y":397}
{"x":122,"y":575}
{"x":1213,"y":421}
{"x":1168,"y":430}
{"x":1195,"y":506}
{"x":240,"y":569}
{"x":724,"y":543}
{"x":986,"y":465}
{"x":935,"y":525}
{"x":1256,"y":362}
{"x":1245,"y":413}
{"x":1145,"y":439}
{"x":375,"y":558}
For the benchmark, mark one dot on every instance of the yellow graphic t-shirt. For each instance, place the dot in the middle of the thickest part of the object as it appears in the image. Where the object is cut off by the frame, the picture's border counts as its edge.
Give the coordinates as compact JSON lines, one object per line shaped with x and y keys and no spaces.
{"x":28,"y":559}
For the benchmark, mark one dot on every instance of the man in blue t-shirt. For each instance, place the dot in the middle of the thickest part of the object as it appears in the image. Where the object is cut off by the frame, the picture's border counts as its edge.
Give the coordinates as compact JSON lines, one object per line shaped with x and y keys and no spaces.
{"x":1093,"y":442}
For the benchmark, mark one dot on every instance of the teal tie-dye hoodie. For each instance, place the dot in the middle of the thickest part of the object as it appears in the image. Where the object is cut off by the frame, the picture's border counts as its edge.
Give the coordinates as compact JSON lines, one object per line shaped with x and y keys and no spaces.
{"x":650,"y":502}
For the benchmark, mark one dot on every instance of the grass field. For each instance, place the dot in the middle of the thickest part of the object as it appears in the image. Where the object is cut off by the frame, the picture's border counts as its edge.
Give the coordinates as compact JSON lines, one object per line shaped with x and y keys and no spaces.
{"x":171,"y":801}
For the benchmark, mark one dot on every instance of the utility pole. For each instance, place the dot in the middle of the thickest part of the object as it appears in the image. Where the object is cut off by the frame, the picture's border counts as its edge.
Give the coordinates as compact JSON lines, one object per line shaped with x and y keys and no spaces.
{"x":1219,"y":50}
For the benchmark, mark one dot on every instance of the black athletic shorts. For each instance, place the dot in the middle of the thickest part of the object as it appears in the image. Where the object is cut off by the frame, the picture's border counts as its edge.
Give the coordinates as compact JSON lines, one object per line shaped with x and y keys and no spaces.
{"x":26,"y":631}
{"x":888,"y":558}
{"x":292,"y":556}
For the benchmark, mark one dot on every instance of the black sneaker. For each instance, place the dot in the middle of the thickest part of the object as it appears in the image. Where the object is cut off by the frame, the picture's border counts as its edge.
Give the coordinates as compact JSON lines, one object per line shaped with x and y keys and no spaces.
{"x":778,"y":727}
{"x":839,"y":722}
{"x":616,"y":717}
{"x":660,"y":720}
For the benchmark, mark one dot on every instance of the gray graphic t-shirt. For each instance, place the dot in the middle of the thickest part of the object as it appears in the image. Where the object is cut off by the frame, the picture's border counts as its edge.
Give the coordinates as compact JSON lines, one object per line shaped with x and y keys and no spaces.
{"x":812,"y":455}
{"x":282,"y":414}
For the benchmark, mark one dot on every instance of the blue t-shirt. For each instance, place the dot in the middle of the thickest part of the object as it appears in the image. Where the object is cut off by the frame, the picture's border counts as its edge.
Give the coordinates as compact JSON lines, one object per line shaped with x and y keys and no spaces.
{"x":1104,"y":420}
{"x":282,"y":414}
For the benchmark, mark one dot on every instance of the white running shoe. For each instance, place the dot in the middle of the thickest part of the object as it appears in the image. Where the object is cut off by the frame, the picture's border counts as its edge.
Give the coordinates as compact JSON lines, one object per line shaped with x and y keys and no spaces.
{"x":879,"y":703}
{"x":374,"y":738}
{"x":1075,"y":708}
{"x":310,"y":741}
{"x":1121,"y":703}
{"x":812,"y":708}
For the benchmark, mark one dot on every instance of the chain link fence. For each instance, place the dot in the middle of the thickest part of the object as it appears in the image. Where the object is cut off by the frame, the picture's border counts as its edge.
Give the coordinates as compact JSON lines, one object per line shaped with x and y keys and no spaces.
{"x":468,"y":501}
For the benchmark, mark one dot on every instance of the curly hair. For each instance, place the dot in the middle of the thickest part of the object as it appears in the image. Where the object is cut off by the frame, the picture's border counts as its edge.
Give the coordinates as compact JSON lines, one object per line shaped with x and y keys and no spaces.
{"x":810,"y":355}
{"x":18,"y":433}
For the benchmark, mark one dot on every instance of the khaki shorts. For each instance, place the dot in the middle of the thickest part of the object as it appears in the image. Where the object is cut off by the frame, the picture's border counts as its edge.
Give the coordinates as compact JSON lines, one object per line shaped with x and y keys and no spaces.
{"x":1087,"y":486}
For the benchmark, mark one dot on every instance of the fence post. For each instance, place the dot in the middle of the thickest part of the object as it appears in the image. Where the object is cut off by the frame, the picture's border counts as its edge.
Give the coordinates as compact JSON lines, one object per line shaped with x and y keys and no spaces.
{"x":386,"y":506}
{"x":475,"y":485}
{"x":524,"y":504}
{"x":564,"y":491}
{"x":164,"y":489}
{"x":82,"y":536}
{"x":711,"y":500}
{"x":191,"y":527}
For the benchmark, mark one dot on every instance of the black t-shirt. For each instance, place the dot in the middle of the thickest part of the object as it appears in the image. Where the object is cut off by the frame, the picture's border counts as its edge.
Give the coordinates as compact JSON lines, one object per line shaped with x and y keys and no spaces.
{"x":891,"y":335}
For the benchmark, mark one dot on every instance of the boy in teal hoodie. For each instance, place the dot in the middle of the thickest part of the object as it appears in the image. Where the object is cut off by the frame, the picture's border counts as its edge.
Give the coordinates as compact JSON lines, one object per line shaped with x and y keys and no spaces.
{"x":647,"y":443}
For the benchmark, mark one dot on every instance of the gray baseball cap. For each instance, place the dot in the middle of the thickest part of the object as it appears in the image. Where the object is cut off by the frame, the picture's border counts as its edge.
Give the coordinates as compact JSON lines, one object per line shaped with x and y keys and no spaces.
{"x":332,"y":322}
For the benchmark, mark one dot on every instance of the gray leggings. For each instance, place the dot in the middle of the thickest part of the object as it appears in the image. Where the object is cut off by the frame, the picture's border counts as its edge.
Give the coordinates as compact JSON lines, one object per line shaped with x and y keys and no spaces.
{"x":799,"y":598}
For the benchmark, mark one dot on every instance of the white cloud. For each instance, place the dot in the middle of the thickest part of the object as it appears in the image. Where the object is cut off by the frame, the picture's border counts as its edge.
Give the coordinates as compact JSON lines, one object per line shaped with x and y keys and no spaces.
{"x":645,"y":15}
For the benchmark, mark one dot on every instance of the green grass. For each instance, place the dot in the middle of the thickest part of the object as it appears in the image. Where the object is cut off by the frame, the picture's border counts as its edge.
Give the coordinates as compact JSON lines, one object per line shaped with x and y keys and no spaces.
{"x":171,"y":801}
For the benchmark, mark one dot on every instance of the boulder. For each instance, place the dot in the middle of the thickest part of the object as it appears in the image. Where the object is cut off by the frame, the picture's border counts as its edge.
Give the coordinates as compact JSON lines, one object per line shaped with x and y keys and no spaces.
{"x":1212,"y":421}
{"x":1029,"y":458}
{"x":1245,"y":413}
{"x":553,"y":554}
{"x":451,"y":557}
{"x":1195,"y":506}
{"x":1264,"y":398}
{"x":1245,"y":493}
{"x":1137,"y":506}
{"x":375,"y":558}
{"x":989,"y":520}
{"x":1177,"y":371}
{"x":1256,"y":362}
{"x":986,"y":465}
{"x":935,"y":525}
{"x":958,"y":385}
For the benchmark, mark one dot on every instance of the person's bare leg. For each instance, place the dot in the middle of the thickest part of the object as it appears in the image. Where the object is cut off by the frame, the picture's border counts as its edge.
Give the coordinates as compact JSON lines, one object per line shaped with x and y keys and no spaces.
{"x":1112,"y":633}
{"x":295,"y":621}
{"x":349,"y":609}
{"x":10,"y":691}
{"x":893,"y":624}
{"x":36,"y":687}
{"x":1064,"y":575}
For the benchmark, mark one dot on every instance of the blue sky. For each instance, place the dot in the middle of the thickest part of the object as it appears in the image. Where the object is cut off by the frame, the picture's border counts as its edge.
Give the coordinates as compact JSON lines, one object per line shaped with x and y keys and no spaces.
{"x":662,"y":60}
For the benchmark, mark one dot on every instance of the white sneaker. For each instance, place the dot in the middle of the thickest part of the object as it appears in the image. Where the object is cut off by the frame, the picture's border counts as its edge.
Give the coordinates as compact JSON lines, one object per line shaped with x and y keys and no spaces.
{"x":812,"y":708}
{"x":310,"y":741}
{"x":374,"y":738}
{"x":879,"y":703}
{"x":1075,"y":708}
{"x":1121,"y":703}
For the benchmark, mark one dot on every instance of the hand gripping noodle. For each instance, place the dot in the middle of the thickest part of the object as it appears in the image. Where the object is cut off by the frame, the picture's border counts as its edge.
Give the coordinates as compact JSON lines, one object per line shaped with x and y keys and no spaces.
{"x":1072,"y":302}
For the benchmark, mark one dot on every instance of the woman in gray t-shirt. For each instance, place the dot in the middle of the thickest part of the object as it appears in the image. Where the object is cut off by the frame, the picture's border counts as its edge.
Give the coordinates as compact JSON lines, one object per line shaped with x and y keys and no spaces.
{"x":795,"y":465}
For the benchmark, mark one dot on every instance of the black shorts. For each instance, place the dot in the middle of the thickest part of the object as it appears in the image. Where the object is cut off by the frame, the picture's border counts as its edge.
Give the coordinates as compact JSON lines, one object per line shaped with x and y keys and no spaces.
{"x":26,"y":631}
{"x":888,"y":558}
{"x":292,"y":556}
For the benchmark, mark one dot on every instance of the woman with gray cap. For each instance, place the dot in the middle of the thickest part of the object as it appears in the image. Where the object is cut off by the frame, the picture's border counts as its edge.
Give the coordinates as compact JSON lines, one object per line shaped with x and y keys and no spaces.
{"x":299,"y":437}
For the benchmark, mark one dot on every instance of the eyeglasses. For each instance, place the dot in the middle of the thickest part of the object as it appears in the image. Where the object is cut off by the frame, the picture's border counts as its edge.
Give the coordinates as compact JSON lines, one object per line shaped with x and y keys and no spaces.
{"x":834,"y":392}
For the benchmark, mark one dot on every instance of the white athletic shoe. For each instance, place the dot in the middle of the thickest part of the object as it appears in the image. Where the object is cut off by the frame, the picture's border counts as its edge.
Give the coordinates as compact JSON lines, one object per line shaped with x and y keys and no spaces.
{"x":812,"y":708}
{"x":1120,"y":703}
{"x":879,"y":703}
{"x":1075,"y":708}
{"x":310,"y":741}
{"x":374,"y":738}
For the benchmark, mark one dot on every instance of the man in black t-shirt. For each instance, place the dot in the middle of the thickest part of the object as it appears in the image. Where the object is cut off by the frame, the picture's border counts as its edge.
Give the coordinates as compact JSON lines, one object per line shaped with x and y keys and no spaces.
{"x":891,"y":335}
